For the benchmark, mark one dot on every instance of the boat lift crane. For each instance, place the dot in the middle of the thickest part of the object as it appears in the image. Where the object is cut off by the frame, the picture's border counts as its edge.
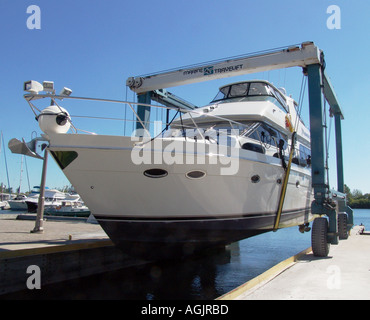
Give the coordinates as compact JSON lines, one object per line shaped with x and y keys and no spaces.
{"x":311,"y":59}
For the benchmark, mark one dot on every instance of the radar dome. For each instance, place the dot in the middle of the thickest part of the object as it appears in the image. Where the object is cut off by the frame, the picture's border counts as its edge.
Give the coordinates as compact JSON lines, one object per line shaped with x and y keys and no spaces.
{"x":54,"y":119}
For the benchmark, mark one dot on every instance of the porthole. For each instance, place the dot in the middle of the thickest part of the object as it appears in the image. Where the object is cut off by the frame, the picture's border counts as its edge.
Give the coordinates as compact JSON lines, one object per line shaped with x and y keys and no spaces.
{"x":195,"y":174}
{"x":155,"y":173}
{"x":256,"y":178}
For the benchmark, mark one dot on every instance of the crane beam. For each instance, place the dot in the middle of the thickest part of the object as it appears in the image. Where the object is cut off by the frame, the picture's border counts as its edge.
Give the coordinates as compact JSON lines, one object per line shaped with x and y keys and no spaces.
{"x":306,"y":54}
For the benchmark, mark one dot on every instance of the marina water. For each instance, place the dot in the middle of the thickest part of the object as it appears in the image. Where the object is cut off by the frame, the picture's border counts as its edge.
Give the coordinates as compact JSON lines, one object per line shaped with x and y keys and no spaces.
{"x":197,"y":278}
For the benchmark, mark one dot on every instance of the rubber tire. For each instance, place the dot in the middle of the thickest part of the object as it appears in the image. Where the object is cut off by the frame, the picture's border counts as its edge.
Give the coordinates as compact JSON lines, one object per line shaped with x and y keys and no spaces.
{"x":342,"y":226}
{"x":319,"y":237}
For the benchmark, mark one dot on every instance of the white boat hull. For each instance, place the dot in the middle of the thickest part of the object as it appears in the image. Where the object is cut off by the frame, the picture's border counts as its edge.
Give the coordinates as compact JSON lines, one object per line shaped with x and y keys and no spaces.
{"x":17,"y":205}
{"x":4,"y":205}
{"x":139,"y":212}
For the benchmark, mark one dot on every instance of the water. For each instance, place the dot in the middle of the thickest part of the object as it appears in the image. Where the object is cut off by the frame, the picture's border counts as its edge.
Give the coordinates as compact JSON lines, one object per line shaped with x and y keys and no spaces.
{"x":362,"y":216}
{"x":198,"y":278}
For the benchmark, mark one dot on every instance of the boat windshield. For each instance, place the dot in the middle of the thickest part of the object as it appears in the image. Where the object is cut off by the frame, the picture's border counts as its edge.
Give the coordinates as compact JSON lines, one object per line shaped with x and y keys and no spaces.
{"x":250,"y":91}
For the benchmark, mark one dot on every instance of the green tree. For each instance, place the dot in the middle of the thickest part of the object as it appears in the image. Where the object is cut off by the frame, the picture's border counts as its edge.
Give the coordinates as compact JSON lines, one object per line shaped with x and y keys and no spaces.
{"x":356,"y":199}
{"x":357,"y":194}
{"x":347,"y":191}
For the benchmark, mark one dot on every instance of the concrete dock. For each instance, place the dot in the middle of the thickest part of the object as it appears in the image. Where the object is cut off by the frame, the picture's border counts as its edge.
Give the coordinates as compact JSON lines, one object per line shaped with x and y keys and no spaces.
{"x":73,"y":248}
{"x":65,"y":250}
{"x":343,"y":275}
{"x":15,"y":234}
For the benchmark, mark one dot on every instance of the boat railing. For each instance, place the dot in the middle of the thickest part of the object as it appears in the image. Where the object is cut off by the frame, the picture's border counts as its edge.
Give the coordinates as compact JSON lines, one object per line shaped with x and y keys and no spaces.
{"x":156,"y":125}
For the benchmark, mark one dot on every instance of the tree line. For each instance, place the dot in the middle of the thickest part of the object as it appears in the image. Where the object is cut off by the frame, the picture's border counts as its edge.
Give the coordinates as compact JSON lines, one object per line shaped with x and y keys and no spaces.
{"x":355,"y":198}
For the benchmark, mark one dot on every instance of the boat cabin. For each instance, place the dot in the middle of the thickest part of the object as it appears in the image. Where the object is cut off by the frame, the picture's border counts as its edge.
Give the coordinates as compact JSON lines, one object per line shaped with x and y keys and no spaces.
{"x":256,"y":90}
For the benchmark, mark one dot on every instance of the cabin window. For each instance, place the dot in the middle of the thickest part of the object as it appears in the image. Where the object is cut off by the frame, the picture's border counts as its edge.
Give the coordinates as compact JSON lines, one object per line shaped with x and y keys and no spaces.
{"x":238,"y":90}
{"x":259,"y":89}
{"x":222,"y":94}
{"x":267,"y":135}
{"x":304,"y":155}
{"x":281,"y":100}
{"x":251,"y":91}
{"x":211,"y":130}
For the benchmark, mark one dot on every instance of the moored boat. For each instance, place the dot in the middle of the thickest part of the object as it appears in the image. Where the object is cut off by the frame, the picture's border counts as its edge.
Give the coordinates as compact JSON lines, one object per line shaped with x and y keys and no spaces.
{"x":52,"y":197}
{"x":4,"y":200}
{"x":68,"y":207}
{"x":19,"y":202}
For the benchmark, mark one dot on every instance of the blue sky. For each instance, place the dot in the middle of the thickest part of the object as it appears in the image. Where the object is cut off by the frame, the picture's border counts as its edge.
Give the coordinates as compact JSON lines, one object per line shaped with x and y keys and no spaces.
{"x":93,"y":46}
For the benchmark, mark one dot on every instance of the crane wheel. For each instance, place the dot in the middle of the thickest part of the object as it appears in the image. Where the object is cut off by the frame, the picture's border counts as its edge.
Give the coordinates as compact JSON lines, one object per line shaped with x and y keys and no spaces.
{"x":319,"y":237}
{"x":342,"y":226}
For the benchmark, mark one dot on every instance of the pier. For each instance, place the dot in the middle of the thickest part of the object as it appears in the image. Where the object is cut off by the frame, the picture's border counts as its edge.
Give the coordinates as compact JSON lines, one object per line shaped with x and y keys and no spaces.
{"x":67,"y":249}
{"x":71,"y":249}
{"x":342,"y":275}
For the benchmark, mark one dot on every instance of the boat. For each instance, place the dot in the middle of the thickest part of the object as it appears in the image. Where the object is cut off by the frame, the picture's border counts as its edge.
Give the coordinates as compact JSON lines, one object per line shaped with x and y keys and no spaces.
{"x":52,"y":197}
{"x":4,"y":205}
{"x":233,"y":169}
{"x":4,"y":200}
{"x":70,"y":207}
{"x":19,"y":202}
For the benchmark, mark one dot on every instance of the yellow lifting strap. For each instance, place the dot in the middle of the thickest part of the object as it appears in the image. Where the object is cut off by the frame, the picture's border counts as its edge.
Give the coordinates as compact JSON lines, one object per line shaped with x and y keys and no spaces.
{"x":285,"y":184}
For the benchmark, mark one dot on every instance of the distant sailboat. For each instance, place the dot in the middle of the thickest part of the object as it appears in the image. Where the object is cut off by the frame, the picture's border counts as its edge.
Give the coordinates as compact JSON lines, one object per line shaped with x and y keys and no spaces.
{"x":4,"y":197}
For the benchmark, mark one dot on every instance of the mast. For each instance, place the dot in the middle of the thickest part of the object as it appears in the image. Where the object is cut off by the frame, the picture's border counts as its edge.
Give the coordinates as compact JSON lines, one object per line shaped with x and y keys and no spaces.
{"x":6,"y":163}
{"x":20,"y":178}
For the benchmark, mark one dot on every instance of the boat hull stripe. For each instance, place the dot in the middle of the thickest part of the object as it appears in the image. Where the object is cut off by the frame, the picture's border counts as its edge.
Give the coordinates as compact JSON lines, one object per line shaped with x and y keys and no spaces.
{"x":195,"y":218}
